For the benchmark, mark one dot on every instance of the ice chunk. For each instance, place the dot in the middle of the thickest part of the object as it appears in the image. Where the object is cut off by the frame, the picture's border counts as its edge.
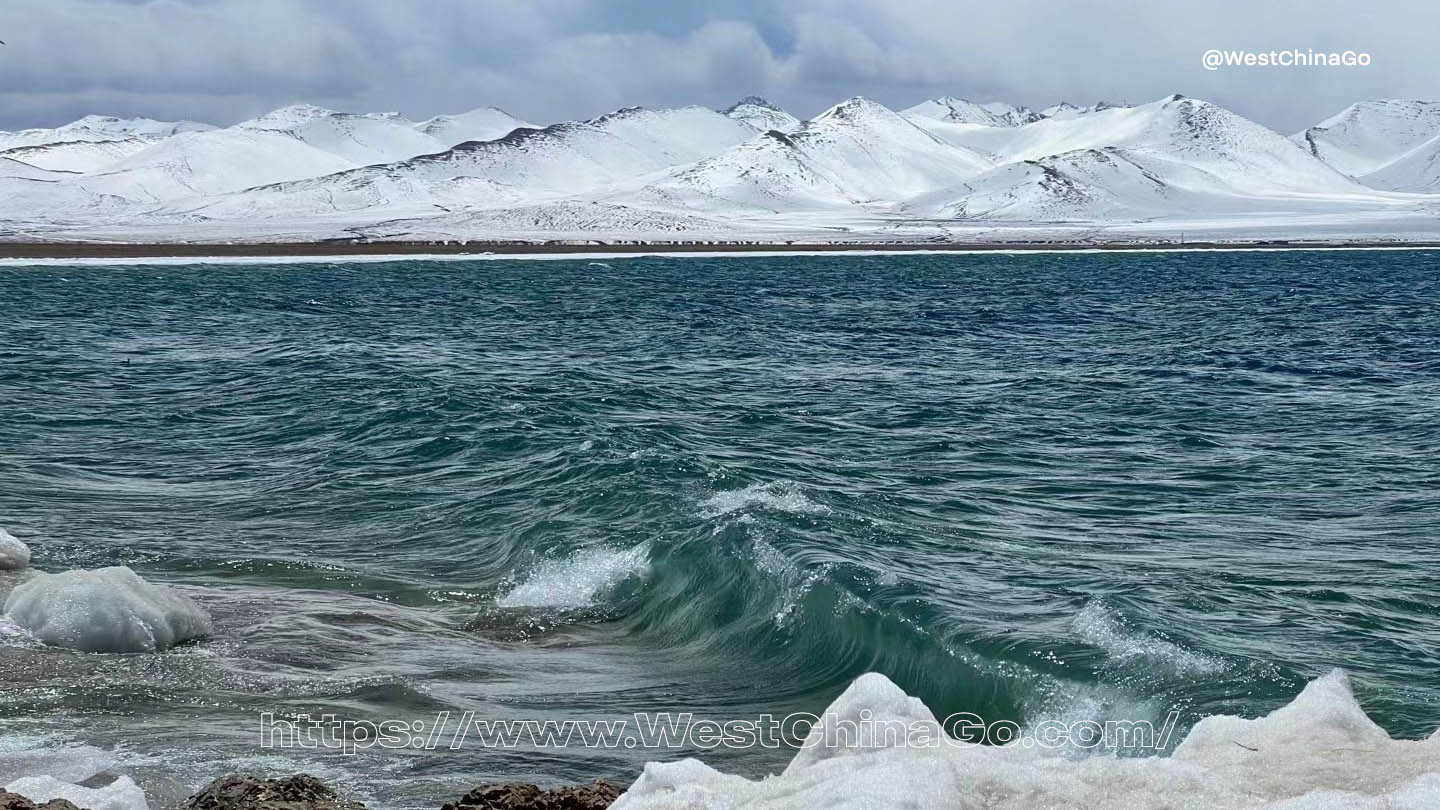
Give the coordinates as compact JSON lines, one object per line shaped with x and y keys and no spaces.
{"x":120,"y":794}
{"x":104,"y":610}
{"x":1325,"y":714}
{"x":688,"y":783}
{"x":873,"y":714}
{"x":14,"y":554}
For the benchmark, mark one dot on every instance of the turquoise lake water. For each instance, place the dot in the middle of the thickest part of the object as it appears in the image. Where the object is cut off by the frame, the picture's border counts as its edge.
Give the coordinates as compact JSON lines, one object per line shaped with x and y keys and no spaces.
{"x":1024,"y":486}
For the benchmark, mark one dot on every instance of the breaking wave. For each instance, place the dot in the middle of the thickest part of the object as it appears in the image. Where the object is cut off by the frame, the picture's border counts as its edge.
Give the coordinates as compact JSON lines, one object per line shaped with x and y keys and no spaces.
{"x":1099,"y":626}
{"x":578,"y":580}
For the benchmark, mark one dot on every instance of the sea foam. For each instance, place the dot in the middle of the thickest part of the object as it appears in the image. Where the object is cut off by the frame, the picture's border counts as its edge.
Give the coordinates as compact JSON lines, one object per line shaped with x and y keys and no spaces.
{"x":578,"y":580}
{"x":777,"y":496}
{"x":104,"y":610}
{"x":14,"y":555}
{"x":1102,"y":628}
{"x":1320,"y":752}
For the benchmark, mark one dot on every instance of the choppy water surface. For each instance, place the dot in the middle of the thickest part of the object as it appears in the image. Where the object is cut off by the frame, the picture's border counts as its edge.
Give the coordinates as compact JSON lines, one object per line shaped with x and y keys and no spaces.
{"x":1023,"y":486}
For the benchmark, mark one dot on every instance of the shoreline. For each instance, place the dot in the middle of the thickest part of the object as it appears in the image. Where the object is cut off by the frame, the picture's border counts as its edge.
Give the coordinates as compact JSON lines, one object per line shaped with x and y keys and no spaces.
{"x":13,"y":252}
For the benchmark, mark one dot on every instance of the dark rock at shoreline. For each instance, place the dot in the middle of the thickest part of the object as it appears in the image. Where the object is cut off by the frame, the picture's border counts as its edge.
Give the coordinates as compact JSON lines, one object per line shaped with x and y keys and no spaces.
{"x":521,"y":796}
{"x":241,"y":792}
{"x":14,"y":801}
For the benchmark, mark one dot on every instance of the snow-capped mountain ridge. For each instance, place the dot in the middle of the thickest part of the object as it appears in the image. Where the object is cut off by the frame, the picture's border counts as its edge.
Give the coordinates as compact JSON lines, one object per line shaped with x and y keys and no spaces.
{"x":963,"y":111}
{"x":90,"y":143}
{"x":1067,"y":110}
{"x":856,"y":152}
{"x":1365,"y":137}
{"x":481,"y":124}
{"x":527,"y":163}
{"x":762,"y":115}
{"x":94,"y":128}
{"x":77,"y":157}
{"x":939,"y":167}
{"x":293,"y":115}
{"x":360,"y":138}
{"x":197,"y":164}
{"x":1237,"y":153}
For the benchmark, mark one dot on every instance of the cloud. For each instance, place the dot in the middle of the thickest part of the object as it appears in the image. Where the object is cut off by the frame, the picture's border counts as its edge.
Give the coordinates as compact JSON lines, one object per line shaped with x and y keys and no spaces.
{"x":547,"y":60}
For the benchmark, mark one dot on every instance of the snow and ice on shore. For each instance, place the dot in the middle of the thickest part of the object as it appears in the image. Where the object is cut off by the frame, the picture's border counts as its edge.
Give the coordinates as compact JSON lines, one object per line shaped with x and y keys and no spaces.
{"x":1320,"y":752}
{"x":109,"y":610}
{"x":120,"y":793}
{"x":14,"y":555}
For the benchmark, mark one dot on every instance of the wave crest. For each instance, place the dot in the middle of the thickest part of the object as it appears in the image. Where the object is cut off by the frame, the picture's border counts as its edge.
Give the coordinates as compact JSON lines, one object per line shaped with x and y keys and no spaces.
{"x":578,"y":580}
{"x":1098,"y":626}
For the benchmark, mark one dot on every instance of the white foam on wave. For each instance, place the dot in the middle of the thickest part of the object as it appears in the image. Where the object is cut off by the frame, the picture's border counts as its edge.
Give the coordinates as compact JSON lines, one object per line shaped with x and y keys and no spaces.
{"x":23,"y":755}
{"x":793,"y":581}
{"x":14,"y":555}
{"x":104,"y":610}
{"x":1320,"y":752}
{"x":578,"y":580}
{"x":1098,"y":626}
{"x":777,"y":496}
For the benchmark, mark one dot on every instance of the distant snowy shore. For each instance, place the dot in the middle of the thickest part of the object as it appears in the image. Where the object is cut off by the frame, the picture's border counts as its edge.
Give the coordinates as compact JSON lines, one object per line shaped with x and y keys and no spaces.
{"x":98,"y":254}
{"x":946,"y":170}
{"x":248,"y":252}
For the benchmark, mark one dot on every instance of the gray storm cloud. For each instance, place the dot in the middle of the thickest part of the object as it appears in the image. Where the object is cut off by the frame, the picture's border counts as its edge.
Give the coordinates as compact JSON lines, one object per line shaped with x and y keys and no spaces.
{"x":547,"y":60}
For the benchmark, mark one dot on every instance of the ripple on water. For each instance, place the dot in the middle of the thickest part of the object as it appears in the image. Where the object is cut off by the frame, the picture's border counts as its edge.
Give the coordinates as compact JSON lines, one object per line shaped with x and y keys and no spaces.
{"x":777,"y":496}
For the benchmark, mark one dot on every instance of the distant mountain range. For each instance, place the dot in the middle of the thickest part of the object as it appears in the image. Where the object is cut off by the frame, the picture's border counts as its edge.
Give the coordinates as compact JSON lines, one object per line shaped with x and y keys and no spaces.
{"x":944,"y":170}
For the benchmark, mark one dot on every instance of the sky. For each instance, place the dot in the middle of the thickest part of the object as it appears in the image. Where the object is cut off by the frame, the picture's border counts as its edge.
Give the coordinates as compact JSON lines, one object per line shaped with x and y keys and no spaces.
{"x":222,"y":61}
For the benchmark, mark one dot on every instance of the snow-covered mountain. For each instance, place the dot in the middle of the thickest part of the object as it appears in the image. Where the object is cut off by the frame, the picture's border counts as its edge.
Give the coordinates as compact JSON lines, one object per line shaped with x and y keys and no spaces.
{"x":484,"y":124}
{"x":292,"y":143}
{"x":1365,"y":137}
{"x":361,"y":139}
{"x":77,"y":156}
{"x":1067,"y":110}
{"x":762,"y":115}
{"x":90,"y":143}
{"x":858,"y":151}
{"x":26,"y":171}
{"x":1083,"y":185}
{"x":525,"y":165}
{"x":197,"y":164}
{"x":960,"y":111}
{"x":943,"y":169}
{"x":1213,"y":148}
{"x":1104,"y":184}
{"x":98,"y":128}
{"x":1417,"y":171}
